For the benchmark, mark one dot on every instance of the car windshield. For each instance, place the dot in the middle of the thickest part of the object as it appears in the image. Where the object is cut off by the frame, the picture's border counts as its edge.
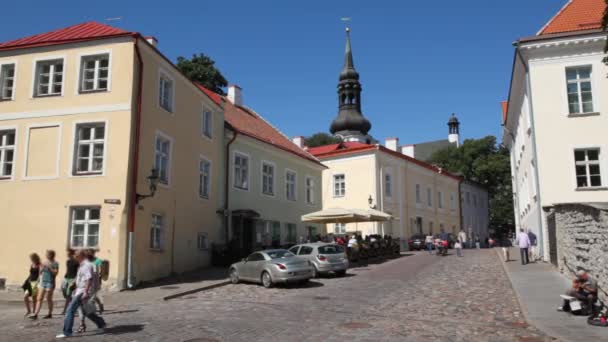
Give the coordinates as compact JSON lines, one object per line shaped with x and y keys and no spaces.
{"x":279,"y":254}
{"x":331,"y":249}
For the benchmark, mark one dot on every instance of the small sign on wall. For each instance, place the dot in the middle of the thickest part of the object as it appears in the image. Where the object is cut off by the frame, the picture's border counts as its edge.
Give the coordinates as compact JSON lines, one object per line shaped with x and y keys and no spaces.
{"x":111,"y":201}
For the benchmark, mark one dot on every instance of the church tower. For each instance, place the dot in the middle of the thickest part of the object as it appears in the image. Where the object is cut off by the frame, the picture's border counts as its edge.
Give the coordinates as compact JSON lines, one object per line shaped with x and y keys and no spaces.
{"x":454,"y":130}
{"x":350,"y":124}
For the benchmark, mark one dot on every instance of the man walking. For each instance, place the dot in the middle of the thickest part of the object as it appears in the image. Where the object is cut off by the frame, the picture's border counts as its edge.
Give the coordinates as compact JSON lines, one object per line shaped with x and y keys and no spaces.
{"x":523,"y":241}
{"x":532,"y":238}
{"x":462,"y":237}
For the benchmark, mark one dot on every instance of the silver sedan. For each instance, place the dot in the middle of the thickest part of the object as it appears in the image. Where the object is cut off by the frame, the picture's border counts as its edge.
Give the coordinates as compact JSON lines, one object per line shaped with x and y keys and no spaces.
{"x":269,"y":267}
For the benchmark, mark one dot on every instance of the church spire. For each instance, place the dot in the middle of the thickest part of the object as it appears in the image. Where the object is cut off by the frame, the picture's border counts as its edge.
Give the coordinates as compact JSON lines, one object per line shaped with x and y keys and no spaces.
{"x":350,"y":124}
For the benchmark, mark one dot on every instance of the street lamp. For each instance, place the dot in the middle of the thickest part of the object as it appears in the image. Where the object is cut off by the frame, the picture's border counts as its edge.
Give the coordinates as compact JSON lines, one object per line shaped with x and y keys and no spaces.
{"x":370,"y":200}
{"x":152,"y":182}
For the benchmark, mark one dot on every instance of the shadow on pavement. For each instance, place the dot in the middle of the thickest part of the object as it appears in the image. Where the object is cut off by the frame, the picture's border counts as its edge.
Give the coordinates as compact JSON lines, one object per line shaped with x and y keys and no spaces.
{"x":115,"y":312}
{"x":172,"y":282}
{"x":122,"y":329}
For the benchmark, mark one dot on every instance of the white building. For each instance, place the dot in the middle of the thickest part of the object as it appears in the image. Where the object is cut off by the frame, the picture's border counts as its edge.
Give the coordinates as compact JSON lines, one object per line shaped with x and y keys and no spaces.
{"x":555,"y":120}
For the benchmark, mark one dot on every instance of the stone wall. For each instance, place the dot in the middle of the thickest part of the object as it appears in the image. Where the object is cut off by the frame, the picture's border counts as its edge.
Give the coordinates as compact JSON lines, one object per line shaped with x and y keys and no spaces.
{"x":582,"y":241}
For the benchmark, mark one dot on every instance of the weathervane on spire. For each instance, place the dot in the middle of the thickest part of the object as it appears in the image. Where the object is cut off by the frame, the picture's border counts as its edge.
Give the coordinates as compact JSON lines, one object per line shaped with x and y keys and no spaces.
{"x":346,"y":20}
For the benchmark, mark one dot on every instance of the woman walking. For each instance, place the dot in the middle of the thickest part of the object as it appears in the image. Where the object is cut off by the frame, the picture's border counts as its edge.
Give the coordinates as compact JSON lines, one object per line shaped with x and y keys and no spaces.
{"x":48,"y":273}
{"x":67,"y":286}
{"x":428,"y":240}
{"x":30,"y":286}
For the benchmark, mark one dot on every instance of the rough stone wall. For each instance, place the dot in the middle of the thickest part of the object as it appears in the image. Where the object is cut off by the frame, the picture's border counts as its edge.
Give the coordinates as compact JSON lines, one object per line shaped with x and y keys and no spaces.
{"x":582,"y":242}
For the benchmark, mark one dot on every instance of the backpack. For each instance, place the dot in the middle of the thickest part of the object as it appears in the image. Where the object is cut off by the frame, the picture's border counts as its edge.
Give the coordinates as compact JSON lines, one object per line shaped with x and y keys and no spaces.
{"x":104,"y":270}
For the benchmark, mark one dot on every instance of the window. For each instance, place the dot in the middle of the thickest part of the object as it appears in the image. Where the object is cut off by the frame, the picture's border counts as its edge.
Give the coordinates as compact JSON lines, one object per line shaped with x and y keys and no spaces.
{"x":294,"y":250}
{"x":452,"y":201}
{"x":49,"y":78}
{"x":256,"y":257}
{"x":241,"y":171}
{"x":339,"y":185}
{"x":419,"y":225}
{"x":94,"y":72}
{"x":305,"y":250}
{"x":587,"y":168}
{"x":467,"y":196}
{"x":475,"y":200}
{"x":7,"y":82}
{"x":204,"y":178}
{"x":267,"y":179}
{"x":340,"y":228}
{"x":207,"y":124}
{"x":156,"y":231}
{"x":430,"y":228}
{"x":418,"y":199}
{"x":89,"y":147}
{"x":85,"y":227}
{"x":290,"y":185}
{"x":202,"y":241}
{"x":276,"y":233}
{"x":7,"y":153}
{"x":429,"y":197}
{"x":162,"y":158}
{"x":310,"y":190}
{"x":580,"y":99}
{"x":291,"y":232}
{"x":165,"y":92}
{"x":388,"y":186}
{"x":439,"y":199}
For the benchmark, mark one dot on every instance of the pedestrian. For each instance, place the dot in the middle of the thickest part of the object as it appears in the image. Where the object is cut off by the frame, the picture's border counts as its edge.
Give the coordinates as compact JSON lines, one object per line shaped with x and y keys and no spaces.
{"x":85,"y":290}
{"x":462,"y":237}
{"x":533,"y":241}
{"x":67,"y":286}
{"x":30,"y":285}
{"x":428,"y":240}
{"x":46,"y":286}
{"x":523,"y":242}
{"x":97,"y":262}
{"x":477,"y":242}
{"x":505,"y":245}
{"x":458,"y":247}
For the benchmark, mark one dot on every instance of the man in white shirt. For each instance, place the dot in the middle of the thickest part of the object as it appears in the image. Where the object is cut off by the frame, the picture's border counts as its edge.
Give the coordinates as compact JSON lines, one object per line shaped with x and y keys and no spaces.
{"x":523,"y":242}
{"x":462,"y":237}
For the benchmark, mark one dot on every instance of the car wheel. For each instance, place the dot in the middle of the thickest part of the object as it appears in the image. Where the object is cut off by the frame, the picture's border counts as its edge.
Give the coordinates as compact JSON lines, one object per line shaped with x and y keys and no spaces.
{"x":315,"y":273}
{"x":266,"y":280}
{"x":234,"y":277}
{"x":341,"y":273}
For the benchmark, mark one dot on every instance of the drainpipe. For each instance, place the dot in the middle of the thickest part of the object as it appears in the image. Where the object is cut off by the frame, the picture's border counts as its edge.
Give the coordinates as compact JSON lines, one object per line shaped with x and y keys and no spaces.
{"x":534,"y":151}
{"x":227,"y":181}
{"x":133,"y":202}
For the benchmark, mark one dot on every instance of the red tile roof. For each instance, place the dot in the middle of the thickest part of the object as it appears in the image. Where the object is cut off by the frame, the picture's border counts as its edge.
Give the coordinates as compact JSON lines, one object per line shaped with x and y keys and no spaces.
{"x":576,"y":15}
{"x":247,"y":122}
{"x":346,"y":148}
{"x":505,"y":107}
{"x":76,"y":33}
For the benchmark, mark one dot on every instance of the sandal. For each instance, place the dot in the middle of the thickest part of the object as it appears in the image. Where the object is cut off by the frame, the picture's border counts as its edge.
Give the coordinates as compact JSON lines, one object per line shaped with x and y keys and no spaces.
{"x":49,"y":316}
{"x":82,"y":328}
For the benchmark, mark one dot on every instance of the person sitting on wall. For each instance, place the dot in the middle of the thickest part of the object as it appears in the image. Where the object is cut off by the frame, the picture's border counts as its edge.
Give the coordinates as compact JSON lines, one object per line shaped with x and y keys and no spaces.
{"x":584,"y":288}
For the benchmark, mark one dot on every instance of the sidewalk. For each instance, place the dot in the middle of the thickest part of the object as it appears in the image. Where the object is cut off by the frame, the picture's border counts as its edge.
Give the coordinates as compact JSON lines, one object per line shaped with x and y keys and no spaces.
{"x":538,"y":286}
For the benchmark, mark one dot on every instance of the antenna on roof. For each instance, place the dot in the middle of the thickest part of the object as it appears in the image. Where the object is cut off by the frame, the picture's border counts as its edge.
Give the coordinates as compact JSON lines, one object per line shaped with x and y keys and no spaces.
{"x":113,"y":19}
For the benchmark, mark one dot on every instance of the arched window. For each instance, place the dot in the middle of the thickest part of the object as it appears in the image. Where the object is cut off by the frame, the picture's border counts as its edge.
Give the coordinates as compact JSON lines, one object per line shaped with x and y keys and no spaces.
{"x":351,"y":99}
{"x":343,"y":100}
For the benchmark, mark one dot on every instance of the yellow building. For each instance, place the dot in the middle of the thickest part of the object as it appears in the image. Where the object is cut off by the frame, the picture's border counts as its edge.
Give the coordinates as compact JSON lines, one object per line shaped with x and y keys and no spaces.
{"x":86,"y":113}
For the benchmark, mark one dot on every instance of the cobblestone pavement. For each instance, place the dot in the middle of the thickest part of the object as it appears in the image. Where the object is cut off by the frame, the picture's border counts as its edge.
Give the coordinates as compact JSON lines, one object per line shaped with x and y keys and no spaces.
{"x":414,"y":298}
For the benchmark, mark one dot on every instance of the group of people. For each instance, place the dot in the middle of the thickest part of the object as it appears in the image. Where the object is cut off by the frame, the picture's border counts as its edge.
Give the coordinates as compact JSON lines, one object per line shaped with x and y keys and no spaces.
{"x":80,"y":286}
{"x":441,"y":242}
{"x":526,"y":241}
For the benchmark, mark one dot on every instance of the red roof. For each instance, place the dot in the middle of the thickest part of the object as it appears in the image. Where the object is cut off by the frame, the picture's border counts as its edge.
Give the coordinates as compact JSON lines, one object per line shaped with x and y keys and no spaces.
{"x":505,"y":107}
{"x":576,"y":15}
{"x":76,"y":33}
{"x":346,"y":148}
{"x":247,"y":122}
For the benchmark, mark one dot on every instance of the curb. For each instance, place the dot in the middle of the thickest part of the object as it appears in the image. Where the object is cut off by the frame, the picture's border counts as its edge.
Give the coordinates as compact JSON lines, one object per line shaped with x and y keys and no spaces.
{"x":199,"y":289}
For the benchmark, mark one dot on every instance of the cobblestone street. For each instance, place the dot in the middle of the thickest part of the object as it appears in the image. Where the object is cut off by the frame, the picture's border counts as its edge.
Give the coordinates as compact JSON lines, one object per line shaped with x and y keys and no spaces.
{"x":413,"y":298}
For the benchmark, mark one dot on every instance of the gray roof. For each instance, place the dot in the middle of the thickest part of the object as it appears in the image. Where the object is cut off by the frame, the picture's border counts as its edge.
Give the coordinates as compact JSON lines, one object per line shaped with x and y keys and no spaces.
{"x":424,"y":151}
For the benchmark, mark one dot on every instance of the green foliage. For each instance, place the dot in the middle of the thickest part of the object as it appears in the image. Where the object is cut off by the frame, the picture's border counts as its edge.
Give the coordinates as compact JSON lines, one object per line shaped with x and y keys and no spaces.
{"x":201,"y":69}
{"x":487,"y":163}
{"x":320,"y":139}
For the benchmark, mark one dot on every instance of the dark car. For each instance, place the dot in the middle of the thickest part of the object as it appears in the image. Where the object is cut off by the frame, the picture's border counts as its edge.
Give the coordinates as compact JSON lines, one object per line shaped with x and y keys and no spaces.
{"x":416,"y":242}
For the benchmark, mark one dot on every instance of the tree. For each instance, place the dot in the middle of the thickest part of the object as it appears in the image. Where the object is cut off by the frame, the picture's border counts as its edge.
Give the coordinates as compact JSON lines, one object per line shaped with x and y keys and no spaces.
{"x":320,"y":139}
{"x":487,"y":163}
{"x":201,"y":69}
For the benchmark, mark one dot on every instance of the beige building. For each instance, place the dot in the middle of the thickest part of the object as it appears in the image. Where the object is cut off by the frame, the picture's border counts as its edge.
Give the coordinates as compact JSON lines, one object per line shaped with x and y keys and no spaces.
{"x":421,"y":198}
{"x":86,"y":113}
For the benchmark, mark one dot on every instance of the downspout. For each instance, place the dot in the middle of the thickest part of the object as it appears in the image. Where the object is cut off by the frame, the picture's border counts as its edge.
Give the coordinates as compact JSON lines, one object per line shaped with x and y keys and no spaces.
{"x":534,"y":151}
{"x":227,"y":181}
{"x":133,"y":202}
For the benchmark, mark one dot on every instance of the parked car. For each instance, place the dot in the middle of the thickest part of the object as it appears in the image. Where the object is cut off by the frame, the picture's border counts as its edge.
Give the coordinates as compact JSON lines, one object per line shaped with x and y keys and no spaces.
{"x":324,"y":257}
{"x":416,"y":242}
{"x":269,"y":267}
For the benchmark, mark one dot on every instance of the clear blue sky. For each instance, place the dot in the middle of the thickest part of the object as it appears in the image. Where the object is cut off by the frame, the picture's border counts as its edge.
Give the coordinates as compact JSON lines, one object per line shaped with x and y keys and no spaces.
{"x":419,"y":60}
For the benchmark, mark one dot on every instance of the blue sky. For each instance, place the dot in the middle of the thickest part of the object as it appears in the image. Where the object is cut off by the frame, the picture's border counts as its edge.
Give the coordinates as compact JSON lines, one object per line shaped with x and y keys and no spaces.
{"x":419,"y":60}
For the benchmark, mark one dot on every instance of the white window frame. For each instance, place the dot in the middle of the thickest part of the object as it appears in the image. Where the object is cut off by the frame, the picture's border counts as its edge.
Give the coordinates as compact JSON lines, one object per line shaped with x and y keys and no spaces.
{"x":86,"y":222}
{"x":207,"y":127}
{"x":273,"y":178}
{"x":388,"y":185}
{"x":294,"y":192}
{"x":452,"y":201}
{"x":14,"y":88}
{"x":201,"y":177}
{"x":202,"y":241}
{"x":341,"y":191}
{"x":73,"y":161}
{"x":35,"y":77}
{"x":429,"y":196}
{"x":92,"y":54}
{"x":160,"y":92}
{"x":27,"y":145}
{"x":163,"y":136}
{"x":339,"y":228}
{"x":418,"y":194}
{"x":4,"y":148}
{"x":586,"y":163}
{"x":578,"y":82}
{"x":309,"y":185}
{"x":248,"y":158}
{"x":440,"y":199}
{"x":158,"y":230}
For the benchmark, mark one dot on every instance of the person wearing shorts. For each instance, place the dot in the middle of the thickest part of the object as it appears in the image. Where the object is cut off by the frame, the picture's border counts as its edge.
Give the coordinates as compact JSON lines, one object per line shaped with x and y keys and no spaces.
{"x":46,"y":286}
{"x":30,"y":286}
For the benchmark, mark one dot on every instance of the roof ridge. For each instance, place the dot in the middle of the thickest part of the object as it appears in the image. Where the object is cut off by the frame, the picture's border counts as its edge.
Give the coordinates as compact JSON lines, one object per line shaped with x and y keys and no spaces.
{"x":540,"y":32}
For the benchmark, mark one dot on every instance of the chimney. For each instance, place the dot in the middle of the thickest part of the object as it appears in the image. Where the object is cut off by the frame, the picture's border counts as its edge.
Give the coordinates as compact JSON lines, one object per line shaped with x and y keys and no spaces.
{"x":392,"y":144}
{"x":408,"y":150}
{"x":299,"y":141}
{"x":234,"y":94}
{"x":152,"y":40}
